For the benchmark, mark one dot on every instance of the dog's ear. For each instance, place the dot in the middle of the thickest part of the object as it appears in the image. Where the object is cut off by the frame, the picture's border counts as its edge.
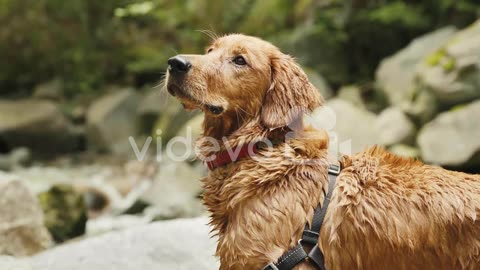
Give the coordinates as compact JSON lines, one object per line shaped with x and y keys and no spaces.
{"x":290,"y":95}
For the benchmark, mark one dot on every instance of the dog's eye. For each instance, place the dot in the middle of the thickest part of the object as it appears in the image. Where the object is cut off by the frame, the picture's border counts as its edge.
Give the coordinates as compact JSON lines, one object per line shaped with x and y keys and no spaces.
{"x":209,"y":50}
{"x":239,"y":60}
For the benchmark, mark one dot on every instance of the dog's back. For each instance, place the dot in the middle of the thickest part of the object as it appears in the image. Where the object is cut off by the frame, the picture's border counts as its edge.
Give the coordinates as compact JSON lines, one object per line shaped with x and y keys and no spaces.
{"x":386,"y":212}
{"x":394,"y":213}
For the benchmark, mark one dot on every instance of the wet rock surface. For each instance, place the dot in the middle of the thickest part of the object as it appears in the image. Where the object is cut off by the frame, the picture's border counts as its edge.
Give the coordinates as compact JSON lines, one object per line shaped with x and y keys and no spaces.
{"x":36,"y":124}
{"x":396,"y":74}
{"x":181,"y":244}
{"x":452,"y":72}
{"x":452,"y":138}
{"x":22,"y":230}
{"x":111,"y":120}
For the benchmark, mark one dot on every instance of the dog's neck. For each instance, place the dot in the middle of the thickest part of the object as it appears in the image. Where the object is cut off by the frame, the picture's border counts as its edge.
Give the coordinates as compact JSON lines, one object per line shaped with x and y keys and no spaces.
{"x":230,"y":134}
{"x":234,"y":193}
{"x":218,"y":127}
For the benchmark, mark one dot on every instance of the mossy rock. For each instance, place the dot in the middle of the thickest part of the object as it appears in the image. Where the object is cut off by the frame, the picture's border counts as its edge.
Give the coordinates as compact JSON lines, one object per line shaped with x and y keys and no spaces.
{"x":65,"y":212}
{"x":442,"y":58}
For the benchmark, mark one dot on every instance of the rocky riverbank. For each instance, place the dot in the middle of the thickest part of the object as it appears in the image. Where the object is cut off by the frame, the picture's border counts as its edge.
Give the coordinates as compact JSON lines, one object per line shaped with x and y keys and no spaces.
{"x":90,"y":183}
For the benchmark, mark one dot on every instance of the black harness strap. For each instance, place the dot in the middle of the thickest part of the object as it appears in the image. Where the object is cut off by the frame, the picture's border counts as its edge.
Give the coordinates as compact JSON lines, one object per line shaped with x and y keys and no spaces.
{"x":310,"y":235}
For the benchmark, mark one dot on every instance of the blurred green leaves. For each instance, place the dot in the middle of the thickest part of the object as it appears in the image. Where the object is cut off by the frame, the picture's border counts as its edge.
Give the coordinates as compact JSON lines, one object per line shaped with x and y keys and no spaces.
{"x":135,"y":9}
{"x":90,"y":43}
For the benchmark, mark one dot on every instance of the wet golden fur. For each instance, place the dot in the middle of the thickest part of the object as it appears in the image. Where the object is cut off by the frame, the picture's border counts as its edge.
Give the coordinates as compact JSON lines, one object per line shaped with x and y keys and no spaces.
{"x":386,"y":212}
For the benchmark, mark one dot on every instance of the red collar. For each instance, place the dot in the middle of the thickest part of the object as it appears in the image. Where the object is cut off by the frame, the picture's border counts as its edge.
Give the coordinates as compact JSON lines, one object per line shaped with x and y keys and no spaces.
{"x":237,"y":153}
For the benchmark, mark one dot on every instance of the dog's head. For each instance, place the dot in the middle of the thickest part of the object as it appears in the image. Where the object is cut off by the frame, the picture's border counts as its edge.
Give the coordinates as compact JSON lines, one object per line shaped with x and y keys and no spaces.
{"x":242,"y":77}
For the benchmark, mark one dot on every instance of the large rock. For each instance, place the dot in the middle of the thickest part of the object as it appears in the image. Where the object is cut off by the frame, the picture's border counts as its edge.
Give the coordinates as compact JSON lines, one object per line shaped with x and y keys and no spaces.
{"x":452,"y":138}
{"x":452,"y":72}
{"x":171,"y":119}
{"x":16,"y":158}
{"x":351,"y":129}
{"x":152,"y":105}
{"x":12,"y":263}
{"x":22,"y":232}
{"x":352,"y":94}
{"x":175,"y":190}
{"x":192,"y":128}
{"x":394,"y":127}
{"x":189,"y":133}
{"x":181,"y":244}
{"x":364,"y":97}
{"x":111,"y":120}
{"x":396,"y":74}
{"x":50,"y":90}
{"x":36,"y":124}
{"x":108,"y":223}
{"x":422,"y":106}
{"x":405,"y":151}
{"x":108,"y":188}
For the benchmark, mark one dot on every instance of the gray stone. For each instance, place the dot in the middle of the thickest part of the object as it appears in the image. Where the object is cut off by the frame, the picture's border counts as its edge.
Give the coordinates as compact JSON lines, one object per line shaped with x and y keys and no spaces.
{"x":452,"y":72}
{"x":111,"y":120}
{"x":16,"y":158}
{"x":405,"y":151}
{"x":192,"y":128}
{"x":40,"y":179}
{"x":452,"y":138}
{"x":181,"y":244}
{"x":395,"y":75}
{"x":350,"y":127}
{"x":36,"y":124}
{"x":50,"y":90}
{"x":12,"y":263}
{"x":364,"y":97}
{"x":22,"y":230}
{"x":78,"y":114}
{"x":153,"y":102}
{"x":352,"y":94}
{"x":189,"y":133}
{"x":108,"y":223}
{"x":175,"y":191}
{"x":171,"y":120}
{"x":394,"y":127}
{"x":152,"y":105}
{"x":118,"y":185}
{"x":422,"y":106}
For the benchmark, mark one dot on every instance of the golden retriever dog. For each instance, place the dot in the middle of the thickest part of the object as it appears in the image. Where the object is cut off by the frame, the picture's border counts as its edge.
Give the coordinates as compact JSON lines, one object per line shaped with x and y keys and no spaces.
{"x":386,"y":212}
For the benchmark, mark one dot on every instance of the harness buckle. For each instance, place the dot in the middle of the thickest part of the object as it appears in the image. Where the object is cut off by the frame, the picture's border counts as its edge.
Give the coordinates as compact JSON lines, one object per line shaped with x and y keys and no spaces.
{"x":310,"y":237}
{"x":270,"y":266}
{"x":334,"y":169}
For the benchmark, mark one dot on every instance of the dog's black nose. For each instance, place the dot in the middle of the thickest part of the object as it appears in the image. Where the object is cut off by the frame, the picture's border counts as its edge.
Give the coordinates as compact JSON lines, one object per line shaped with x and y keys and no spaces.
{"x":178,"y":64}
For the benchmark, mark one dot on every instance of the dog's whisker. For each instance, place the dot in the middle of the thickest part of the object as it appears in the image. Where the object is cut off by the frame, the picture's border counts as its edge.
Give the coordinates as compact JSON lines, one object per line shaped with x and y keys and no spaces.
{"x":173,"y":50}
{"x":249,"y":114}
{"x":210,"y":33}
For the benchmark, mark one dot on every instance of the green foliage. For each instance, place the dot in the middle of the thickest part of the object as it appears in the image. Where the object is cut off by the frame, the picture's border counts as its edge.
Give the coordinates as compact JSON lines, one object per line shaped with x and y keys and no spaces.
{"x":75,"y":40}
{"x":397,"y":13}
{"x":90,"y":43}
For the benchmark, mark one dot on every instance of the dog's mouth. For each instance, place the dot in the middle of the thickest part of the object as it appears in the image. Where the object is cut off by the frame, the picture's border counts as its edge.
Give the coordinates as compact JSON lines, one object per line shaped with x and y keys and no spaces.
{"x":191,"y":103}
